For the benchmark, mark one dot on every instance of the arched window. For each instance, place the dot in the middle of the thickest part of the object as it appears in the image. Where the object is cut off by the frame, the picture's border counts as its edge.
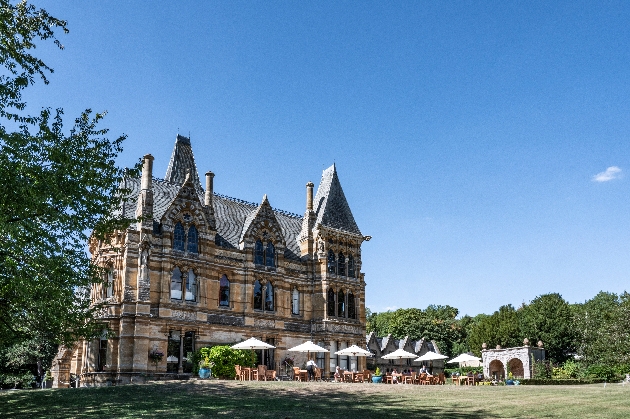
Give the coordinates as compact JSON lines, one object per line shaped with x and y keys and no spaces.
{"x":108,"y":290}
{"x":270,"y":255}
{"x":350,"y":266}
{"x":295,"y":302}
{"x":269,"y":297}
{"x":351,"y":306}
{"x":332,"y":264}
{"x":191,"y":286}
{"x":258,"y":297}
{"x":341,"y":304}
{"x":258,"y":253}
{"x":178,"y":237}
{"x":341,"y":264}
{"x":331,"y":302}
{"x":176,"y":284}
{"x":192,"y":239}
{"x":224,"y":292}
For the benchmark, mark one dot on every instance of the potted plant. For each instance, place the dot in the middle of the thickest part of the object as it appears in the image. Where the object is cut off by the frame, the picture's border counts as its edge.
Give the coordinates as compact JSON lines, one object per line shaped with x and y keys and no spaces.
{"x":156,"y":356}
{"x":377,"y":378}
{"x":205,"y":368}
{"x":510,"y":379}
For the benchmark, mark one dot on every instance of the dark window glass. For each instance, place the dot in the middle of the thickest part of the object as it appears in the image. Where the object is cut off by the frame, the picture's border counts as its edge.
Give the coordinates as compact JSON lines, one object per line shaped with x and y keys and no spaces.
{"x":258,"y":297}
{"x":102,"y":355}
{"x":332,"y":263}
{"x":350,"y":266}
{"x":224,"y":291}
{"x":341,"y":304}
{"x":331,"y":302}
{"x":270,"y":256}
{"x":192,"y":240}
{"x":341,"y":264}
{"x":172,"y":351}
{"x":269,"y":297}
{"x":189,"y":349}
{"x":191,"y":286}
{"x":258,"y":253}
{"x":178,"y":237}
{"x":295,"y":301}
{"x":176,"y":284}
{"x":351,"y":309}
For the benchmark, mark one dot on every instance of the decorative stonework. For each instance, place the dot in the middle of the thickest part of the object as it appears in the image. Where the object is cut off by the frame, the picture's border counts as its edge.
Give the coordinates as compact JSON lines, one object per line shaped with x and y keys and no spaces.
{"x":183,"y":315}
{"x":498,"y":362}
{"x":264,"y":324}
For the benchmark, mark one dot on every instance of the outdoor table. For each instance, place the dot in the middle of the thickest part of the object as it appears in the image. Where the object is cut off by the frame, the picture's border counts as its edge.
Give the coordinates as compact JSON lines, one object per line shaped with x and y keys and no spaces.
{"x":247,"y":373}
{"x":303,"y":375}
{"x":349,"y":374}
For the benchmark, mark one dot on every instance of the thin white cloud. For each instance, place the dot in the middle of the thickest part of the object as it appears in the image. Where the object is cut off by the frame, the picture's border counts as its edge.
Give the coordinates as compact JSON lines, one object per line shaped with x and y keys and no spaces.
{"x":613,"y":172}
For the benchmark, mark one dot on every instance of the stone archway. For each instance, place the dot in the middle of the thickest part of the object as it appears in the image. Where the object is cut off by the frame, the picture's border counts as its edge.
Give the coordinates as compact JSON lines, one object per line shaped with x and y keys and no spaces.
{"x":497,"y":370}
{"x":515,"y":366}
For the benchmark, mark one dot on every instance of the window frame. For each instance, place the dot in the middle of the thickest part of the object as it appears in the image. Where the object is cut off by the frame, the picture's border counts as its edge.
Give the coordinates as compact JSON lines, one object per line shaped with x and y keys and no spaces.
{"x":222,"y":288}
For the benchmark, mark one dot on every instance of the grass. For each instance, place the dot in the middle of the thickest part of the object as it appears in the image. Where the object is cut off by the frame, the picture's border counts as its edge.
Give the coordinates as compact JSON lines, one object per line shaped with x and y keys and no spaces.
{"x":198,"y":399}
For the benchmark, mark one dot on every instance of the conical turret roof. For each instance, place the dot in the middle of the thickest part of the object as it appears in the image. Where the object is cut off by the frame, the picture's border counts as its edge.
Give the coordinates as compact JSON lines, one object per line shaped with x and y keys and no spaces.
{"x":331,"y":206}
{"x":182,"y":162}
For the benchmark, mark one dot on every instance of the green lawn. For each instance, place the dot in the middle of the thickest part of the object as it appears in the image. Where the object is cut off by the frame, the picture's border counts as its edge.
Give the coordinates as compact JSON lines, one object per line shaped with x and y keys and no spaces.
{"x":196,"y":399}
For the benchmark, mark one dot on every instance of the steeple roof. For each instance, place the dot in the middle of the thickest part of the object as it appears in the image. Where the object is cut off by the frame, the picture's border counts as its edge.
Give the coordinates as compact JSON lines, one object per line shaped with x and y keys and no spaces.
{"x":331,"y":206}
{"x":182,"y":162}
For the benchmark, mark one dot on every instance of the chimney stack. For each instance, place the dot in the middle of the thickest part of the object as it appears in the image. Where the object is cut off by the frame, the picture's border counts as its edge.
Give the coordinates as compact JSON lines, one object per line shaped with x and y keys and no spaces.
{"x":209,"y":188}
{"x":147,"y":172}
{"x":309,"y":196}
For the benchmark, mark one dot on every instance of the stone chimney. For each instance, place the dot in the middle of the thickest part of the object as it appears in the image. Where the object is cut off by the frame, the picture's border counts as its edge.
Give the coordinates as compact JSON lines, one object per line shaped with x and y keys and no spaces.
{"x":209,"y":189}
{"x":144,"y":209}
{"x":307,"y":244}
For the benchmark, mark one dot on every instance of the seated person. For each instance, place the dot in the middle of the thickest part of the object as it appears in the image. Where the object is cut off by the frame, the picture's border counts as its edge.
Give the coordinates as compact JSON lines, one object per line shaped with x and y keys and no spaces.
{"x":423,"y":370}
{"x":394,"y":376}
{"x":337,"y":373}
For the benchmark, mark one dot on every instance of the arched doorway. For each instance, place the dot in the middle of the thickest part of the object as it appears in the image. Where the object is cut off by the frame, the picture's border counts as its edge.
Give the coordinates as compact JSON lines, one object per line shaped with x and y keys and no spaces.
{"x":516,"y":368}
{"x":497,"y":370}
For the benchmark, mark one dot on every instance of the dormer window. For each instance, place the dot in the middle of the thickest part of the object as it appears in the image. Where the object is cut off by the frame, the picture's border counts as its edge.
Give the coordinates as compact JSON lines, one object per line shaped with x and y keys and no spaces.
{"x":178,"y":237}
{"x":270,"y":255}
{"x":264,"y":255}
{"x":259,"y":253}
{"x":192,"y":239}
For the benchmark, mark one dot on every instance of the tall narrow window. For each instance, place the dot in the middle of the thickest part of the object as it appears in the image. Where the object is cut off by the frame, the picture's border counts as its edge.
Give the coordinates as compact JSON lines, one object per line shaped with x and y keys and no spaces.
{"x":350,"y":266}
{"x":258,"y":253}
{"x":102,"y":354}
{"x":191,"y":286}
{"x":109,"y":285}
{"x":351,"y":306}
{"x":341,"y":304}
{"x":331,"y":302}
{"x":269,"y":297}
{"x":192,"y":240}
{"x":341,"y":264}
{"x":178,"y":237}
{"x":332,"y":263}
{"x":176,"y":284}
{"x":295,"y":302}
{"x":258,"y":297}
{"x":189,"y":349}
{"x":270,"y":255}
{"x":172,"y":351}
{"x":224,"y":292}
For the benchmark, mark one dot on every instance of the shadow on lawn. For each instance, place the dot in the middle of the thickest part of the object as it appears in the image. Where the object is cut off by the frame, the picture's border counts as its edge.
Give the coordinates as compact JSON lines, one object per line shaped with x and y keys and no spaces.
{"x":234,"y":401}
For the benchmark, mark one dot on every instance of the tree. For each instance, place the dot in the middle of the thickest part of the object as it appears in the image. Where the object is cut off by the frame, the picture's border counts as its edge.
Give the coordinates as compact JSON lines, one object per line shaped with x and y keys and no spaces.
{"x":501,"y":328}
{"x":549,"y":318}
{"x":56,"y":187}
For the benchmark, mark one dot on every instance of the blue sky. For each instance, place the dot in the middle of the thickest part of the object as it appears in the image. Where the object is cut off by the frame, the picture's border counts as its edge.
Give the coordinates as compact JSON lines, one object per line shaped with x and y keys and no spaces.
{"x":468,"y":136}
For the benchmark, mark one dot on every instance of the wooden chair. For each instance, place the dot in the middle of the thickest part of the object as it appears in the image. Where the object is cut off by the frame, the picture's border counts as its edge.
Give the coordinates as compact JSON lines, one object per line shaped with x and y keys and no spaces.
{"x":318,"y":374}
{"x":410,"y":379}
{"x":367,"y":376}
{"x":296,"y":374}
{"x":239,"y":372}
{"x":270,"y":375}
{"x":441,"y":378}
{"x":262,"y":372}
{"x":422,"y":379}
{"x":340,"y":378}
{"x":388,"y":379}
{"x":470,"y":379}
{"x":358,"y":377}
{"x":347,"y":377}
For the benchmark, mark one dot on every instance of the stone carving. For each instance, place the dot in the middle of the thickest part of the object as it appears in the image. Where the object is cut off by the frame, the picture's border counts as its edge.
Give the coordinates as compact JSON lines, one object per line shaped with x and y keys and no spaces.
{"x":336,"y":328}
{"x":183,"y":315}
{"x":143,"y":273}
{"x":226,"y":320}
{"x":264,"y":324}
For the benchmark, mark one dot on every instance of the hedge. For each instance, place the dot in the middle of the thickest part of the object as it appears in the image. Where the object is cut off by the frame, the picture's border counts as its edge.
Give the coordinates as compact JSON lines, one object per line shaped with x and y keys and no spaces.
{"x":560,"y":381}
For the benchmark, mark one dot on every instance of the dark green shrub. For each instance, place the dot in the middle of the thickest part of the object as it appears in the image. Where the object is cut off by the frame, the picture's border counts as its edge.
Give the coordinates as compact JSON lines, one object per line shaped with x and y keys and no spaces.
{"x":605,"y":372}
{"x":569,"y":381}
{"x":224,"y":359}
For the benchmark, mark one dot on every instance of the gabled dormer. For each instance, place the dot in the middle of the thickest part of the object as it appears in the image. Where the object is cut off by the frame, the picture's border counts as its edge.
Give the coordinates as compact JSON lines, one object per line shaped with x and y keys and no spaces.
{"x":262,"y":234}
{"x":182,"y":162}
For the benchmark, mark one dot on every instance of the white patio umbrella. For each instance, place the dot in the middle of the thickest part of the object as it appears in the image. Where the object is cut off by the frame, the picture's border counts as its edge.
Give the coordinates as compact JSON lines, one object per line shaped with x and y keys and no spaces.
{"x":308,"y":347}
{"x":354,"y":350}
{"x":399,"y":354}
{"x":252,"y":343}
{"x":463,"y":358}
{"x":430,"y":356}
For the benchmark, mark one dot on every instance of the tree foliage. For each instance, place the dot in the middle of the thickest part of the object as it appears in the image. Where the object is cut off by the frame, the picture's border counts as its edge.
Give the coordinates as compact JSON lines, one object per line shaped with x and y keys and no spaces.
{"x":57,"y":186}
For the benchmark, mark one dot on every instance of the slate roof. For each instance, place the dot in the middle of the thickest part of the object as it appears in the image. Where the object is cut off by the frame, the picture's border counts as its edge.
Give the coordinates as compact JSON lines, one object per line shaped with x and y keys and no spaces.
{"x":331,"y":206}
{"x":181,"y":161}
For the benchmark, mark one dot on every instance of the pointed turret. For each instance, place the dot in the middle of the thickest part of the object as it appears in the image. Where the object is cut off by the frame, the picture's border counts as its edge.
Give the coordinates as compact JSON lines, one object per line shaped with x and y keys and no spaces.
{"x":182,"y":161}
{"x":330,"y":204}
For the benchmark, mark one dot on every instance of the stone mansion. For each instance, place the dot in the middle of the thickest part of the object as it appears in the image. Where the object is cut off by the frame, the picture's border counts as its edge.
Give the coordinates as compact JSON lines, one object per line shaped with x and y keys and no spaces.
{"x":203,"y":269}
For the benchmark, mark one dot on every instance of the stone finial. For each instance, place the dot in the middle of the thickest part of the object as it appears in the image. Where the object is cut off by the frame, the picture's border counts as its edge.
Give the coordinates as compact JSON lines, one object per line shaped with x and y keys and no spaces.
{"x":540,"y":344}
{"x":309,"y":196}
{"x":147,"y":171}
{"x":525,"y":342}
{"x":209,"y":188}
{"x":484,"y":346}
{"x":498,"y":346}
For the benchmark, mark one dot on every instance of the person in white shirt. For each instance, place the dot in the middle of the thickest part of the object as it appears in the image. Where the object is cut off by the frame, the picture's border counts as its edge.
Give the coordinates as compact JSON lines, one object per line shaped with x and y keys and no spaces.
{"x":310,"y":367}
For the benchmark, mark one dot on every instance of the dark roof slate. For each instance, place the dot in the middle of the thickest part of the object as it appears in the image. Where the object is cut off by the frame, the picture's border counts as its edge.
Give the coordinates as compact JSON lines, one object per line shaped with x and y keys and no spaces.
{"x":331,"y":206}
{"x":182,"y":161}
